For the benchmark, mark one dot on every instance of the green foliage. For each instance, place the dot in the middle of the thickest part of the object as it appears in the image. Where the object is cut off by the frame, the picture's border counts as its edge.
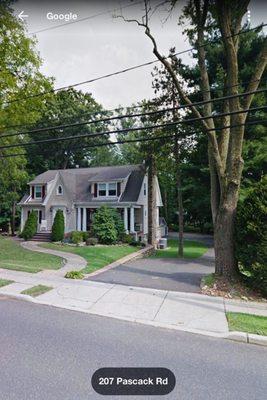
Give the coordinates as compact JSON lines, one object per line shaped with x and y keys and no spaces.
{"x":107,"y":225}
{"x":127,"y":238}
{"x":91,"y":241}
{"x":74,"y":275}
{"x":58,"y":227}
{"x":76,"y":237}
{"x":85,"y":236}
{"x":30,"y":227}
{"x":251,"y":236}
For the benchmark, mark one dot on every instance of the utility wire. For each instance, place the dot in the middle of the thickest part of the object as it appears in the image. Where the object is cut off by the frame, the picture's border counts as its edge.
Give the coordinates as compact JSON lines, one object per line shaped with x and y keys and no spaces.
{"x":255,"y":122}
{"x":84,"y":19}
{"x":130,"y":68}
{"x":47,"y":129}
{"x":126,"y":130}
{"x":117,"y":109}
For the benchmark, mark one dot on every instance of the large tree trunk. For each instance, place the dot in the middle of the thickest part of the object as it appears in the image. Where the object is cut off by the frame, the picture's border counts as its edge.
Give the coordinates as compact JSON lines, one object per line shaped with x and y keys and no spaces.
{"x":225,"y":263}
{"x":152,"y":214}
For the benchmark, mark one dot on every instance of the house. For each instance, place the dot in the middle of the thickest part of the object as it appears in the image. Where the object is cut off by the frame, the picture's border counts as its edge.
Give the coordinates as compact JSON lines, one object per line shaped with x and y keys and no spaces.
{"x":80,"y":191}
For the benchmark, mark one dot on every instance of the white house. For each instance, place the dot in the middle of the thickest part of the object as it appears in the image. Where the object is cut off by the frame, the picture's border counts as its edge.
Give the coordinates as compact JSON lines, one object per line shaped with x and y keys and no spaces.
{"x":80,"y":191}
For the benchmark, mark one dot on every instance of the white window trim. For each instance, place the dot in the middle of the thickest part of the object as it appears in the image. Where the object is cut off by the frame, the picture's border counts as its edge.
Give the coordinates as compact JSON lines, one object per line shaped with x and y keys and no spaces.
{"x":107,"y":190}
{"x":35,"y":187}
{"x":60,"y":194}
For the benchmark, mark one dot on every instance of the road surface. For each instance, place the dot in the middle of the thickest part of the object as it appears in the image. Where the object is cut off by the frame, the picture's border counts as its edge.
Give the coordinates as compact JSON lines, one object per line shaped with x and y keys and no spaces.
{"x":51,"y":354}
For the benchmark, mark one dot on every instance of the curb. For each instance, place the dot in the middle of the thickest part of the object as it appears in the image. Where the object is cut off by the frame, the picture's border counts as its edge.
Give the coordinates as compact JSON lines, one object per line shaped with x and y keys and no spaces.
{"x":123,"y":260}
{"x":247,"y":338}
{"x":242,"y":337}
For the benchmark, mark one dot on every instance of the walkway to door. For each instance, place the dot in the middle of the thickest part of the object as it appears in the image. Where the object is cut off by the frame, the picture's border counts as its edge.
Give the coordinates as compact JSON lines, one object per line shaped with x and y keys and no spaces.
{"x":167,"y":274}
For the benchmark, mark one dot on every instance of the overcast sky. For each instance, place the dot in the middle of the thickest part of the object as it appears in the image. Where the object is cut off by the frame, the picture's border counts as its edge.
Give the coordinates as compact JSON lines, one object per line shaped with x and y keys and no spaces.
{"x":104,"y":44}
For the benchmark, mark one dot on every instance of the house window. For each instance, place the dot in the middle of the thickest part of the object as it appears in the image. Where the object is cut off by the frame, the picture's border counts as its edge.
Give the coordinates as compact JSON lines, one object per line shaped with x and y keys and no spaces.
{"x":102,"y":190}
{"x":59,"y":190}
{"x":107,"y":189}
{"x":38,"y":192}
{"x":112,"y":189}
{"x":144,"y":189}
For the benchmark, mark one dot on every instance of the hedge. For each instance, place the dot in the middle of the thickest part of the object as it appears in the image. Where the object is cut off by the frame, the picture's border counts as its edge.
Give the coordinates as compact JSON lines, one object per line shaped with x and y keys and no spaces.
{"x":251,"y":237}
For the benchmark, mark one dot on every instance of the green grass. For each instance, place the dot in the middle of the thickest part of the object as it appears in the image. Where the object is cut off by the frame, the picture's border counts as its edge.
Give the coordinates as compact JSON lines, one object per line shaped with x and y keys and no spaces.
{"x":5,"y":282}
{"x":208,"y":280}
{"x":96,"y":256}
{"x":192,"y":249}
{"x":13,"y":256}
{"x":36,"y":290}
{"x":247,"y":323}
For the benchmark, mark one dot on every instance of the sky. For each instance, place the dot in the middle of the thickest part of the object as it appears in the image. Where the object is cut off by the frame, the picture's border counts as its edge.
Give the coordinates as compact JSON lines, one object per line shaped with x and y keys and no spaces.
{"x":103,"y":44}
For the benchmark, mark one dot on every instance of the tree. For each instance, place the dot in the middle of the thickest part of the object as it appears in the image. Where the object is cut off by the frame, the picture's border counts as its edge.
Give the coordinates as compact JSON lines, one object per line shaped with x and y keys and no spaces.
{"x":69,"y":107}
{"x":30,"y":227}
{"x":19,"y":78}
{"x":58,"y":227}
{"x":225,"y":148}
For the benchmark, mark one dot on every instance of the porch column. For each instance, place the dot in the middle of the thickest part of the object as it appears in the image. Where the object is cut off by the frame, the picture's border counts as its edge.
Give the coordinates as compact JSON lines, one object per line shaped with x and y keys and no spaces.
{"x":125,"y":216}
{"x":21,"y":219}
{"x":84,"y":219}
{"x":79,"y":219}
{"x":132,"y":219}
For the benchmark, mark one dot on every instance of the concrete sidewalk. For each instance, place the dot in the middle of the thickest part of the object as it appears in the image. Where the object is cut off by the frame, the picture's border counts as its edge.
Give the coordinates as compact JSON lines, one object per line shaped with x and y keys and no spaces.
{"x":190,"y":312}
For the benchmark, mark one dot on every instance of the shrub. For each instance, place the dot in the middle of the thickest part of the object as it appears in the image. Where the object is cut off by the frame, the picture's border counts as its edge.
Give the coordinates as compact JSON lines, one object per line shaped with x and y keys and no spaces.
{"x":74,"y":275}
{"x":85,"y":236}
{"x":91,"y":241}
{"x":76,"y":237}
{"x":106,"y":225}
{"x":30,"y":227}
{"x":134,"y":242}
{"x":251,"y":236}
{"x":58,"y":227}
{"x":127,"y":238}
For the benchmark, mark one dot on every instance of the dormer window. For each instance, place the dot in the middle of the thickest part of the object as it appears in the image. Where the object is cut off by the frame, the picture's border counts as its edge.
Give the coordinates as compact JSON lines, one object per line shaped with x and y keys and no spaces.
{"x":59,"y":190}
{"x":38,"y":192}
{"x":107,"y":189}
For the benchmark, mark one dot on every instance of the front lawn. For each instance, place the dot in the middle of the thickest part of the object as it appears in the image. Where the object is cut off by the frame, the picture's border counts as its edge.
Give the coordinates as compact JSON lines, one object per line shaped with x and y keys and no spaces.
{"x":247,"y":323}
{"x":15,"y":257}
{"x":192,"y":249}
{"x":97,"y":256}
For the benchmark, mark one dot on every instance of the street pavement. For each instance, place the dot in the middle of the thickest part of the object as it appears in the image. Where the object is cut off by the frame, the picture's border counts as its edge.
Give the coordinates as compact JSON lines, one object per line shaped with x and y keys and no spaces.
{"x":51,"y":354}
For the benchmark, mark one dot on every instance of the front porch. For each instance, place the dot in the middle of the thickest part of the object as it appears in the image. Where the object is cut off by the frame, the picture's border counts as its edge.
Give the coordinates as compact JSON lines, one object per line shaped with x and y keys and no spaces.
{"x":134,"y":217}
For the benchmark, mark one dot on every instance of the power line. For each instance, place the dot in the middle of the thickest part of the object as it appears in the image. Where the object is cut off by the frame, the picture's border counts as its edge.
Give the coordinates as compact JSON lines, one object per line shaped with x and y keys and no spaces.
{"x":117,"y":109}
{"x":126,"y":130}
{"x":255,"y":122}
{"x":130,"y":68}
{"x":46,"y":129}
{"x":83,"y":19}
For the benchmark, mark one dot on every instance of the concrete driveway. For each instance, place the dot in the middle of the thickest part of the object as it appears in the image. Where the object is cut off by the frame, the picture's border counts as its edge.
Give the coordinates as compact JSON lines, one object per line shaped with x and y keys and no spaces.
{"x":163,"y":273}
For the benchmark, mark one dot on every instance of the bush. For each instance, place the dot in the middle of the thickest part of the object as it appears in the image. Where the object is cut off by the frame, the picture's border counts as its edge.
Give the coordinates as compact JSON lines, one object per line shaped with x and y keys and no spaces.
{"x":134,"y":242}
{"x":30,"y":227}
{"x":251,"y":237}
{"x":58,"y":227}
{"x":127,"y":238}
{"x":74,"y":275}
{"x":85,"y":236}
{"x":76,"y":237}
{"x":91,"y":241}
{"x":107,"y":225}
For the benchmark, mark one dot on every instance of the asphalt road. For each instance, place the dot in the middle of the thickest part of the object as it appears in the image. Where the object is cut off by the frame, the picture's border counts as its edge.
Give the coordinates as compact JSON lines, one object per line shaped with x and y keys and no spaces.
{"x":51,"y":354}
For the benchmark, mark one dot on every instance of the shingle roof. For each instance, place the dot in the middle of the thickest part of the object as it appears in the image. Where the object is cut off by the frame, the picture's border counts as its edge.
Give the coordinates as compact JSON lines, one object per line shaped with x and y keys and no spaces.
{"x":78,"y":180}
{"x":45,"y":177}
